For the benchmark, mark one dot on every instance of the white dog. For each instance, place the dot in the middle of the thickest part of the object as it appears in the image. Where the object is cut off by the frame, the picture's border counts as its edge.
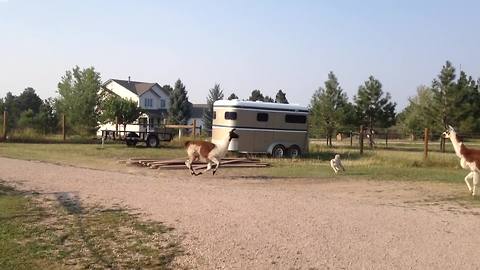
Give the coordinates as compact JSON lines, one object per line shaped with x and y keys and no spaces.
{"x":336,"y":164}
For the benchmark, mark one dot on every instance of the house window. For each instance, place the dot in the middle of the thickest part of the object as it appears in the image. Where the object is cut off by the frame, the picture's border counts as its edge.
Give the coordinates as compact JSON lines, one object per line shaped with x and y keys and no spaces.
{"x":262,"y":117}
{"x":295,"y":118}
{"x":230,"y":115}
{"x":162,"y":103}
{"x":148,"y":102}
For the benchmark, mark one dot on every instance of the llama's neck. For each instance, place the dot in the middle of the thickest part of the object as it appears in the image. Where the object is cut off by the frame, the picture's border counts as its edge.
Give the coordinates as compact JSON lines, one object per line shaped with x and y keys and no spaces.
{"x":222,"y":147}
{"x":456,"y":145}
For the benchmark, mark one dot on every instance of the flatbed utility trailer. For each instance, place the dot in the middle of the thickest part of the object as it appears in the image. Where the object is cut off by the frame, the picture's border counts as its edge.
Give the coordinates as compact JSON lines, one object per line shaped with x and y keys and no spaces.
{"x":150,"y":138}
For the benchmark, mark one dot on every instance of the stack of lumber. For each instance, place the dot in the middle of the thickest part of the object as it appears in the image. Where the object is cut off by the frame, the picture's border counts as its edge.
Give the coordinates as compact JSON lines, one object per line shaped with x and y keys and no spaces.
{"x":180,"y":163}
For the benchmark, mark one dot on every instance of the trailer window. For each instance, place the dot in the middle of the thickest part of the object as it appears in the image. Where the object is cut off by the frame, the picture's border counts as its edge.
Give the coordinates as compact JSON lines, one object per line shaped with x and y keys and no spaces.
{"x":262,"y":117}
{"x":214,"y":115}
{"x":230,"y":115}
{"x":295,"y":118}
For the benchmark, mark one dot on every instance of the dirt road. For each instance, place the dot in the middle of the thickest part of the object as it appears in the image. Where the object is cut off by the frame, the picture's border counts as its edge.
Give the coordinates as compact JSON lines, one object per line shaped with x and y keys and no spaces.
{"x":283,"y":224}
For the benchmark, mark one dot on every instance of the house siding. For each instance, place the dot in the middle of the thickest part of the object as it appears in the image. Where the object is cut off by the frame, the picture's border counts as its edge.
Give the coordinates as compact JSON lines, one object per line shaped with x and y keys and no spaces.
{"x":121,"y":91}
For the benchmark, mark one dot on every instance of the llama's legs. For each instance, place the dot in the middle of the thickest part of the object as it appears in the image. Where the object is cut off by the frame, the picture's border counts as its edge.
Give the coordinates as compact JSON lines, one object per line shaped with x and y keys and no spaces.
{"x":217,"y":163}
{"x":476,"y":179}
{"x":189,"y":166}
{"x":209,"y":166}
{"x":470,"y":175}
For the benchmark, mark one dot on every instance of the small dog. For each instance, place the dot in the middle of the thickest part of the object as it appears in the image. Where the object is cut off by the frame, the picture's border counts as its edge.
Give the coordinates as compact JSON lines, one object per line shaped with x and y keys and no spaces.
{"x":336,"y":164}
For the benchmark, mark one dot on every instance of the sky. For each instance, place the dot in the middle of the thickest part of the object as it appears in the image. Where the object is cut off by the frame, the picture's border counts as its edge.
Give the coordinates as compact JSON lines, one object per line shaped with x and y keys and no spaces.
{"x":242,"y":45}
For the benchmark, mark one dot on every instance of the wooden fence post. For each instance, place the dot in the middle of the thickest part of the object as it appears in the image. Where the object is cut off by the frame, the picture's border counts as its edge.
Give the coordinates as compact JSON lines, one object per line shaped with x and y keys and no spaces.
{"x":194,"y":127}
{"x":360,"y":138}
{"x":386,"y":138}
{"x":425,"y":149}
{"x":116,"y":126}
{"x":5,"y":121}
{"x":351,"y":138}
{"x":63,"y":127}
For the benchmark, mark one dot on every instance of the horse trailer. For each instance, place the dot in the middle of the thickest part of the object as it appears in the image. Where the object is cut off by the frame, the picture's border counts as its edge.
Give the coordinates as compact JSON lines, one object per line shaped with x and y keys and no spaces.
{"x":272,"y":128}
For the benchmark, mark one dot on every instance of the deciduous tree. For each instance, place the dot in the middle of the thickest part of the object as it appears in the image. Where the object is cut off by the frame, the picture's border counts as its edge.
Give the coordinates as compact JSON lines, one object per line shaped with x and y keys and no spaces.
{"x":79,"y":100}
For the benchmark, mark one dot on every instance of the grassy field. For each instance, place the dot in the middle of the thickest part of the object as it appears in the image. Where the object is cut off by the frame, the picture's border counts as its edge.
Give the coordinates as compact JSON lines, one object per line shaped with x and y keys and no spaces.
{"x":36,"y":233}
{"x":378,"y":164}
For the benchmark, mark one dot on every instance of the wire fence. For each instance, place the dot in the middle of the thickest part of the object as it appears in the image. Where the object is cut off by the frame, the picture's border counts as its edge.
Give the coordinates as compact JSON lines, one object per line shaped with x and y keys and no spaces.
{"x":62,"y":130}
{"x":363,"y":138}
{"x":381,"y":138}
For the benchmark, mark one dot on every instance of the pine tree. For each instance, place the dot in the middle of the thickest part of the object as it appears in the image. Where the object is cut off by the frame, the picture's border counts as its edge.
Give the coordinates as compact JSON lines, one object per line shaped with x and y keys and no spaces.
{"x":373,"y":106}
{"x":10,"y":105}
{"x":28,"y":99}
{"x":281,"y":97}
{"x":232,"y":96}
{"x":329,"y":107}
{"x":419,"y":113}
{"x":215,"y":94}
{"x":167,"y":88}
{"x":256,"y":96}
{"x":268,"y":99}
{"x":444,"y":92}
{"x":180,"y":108}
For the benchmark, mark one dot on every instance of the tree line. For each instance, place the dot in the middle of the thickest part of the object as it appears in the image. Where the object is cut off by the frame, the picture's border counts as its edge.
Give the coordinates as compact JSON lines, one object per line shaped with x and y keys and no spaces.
{"x":448,"y":100}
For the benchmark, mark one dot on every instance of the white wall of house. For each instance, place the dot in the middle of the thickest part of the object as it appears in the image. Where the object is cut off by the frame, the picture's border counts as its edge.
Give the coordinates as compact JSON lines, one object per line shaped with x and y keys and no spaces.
{"x":154,"y":99}
{"x":121,"y":91}
{"x":163,"y":95}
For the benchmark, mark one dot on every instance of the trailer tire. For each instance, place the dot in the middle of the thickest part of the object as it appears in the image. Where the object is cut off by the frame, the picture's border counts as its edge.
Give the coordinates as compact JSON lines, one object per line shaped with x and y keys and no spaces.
{"x":294,"y":151}
{"x":131,"y":142}
{"x":278,"y":151}
{"x":152,"y":141}
{"x":131,"y":139}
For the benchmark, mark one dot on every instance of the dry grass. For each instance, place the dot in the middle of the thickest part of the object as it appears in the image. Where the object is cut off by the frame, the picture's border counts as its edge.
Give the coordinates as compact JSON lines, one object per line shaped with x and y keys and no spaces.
{"x":378,"y":164}
{"x":61,"y":233}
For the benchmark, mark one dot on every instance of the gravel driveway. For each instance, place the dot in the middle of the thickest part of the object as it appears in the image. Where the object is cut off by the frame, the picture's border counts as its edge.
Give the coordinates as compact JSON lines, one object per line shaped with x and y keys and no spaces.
{"x":282,"y":224}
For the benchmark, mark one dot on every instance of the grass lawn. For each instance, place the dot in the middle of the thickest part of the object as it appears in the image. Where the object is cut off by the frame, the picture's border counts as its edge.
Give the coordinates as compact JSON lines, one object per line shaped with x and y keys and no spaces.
{"x":378,"y":164}
{"x":37,"y":233}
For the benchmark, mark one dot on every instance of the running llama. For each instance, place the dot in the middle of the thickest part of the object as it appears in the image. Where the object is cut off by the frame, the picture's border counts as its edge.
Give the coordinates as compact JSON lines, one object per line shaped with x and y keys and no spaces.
{"x":469,"y":158}
{"x":207,"y":152}
{"x":336,"y":164}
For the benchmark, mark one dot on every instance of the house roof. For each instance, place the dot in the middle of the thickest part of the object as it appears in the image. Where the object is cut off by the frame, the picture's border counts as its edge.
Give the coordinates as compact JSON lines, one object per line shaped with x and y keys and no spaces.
{"x":198,"y":110}
{"x":135,"y":87}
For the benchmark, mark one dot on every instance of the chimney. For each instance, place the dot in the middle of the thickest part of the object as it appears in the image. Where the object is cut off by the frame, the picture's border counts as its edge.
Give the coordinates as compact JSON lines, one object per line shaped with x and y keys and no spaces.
{"x":128,"y":79}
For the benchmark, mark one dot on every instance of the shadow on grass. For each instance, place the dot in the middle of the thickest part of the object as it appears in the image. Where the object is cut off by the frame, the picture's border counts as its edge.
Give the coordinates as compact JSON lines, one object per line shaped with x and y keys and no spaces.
{"x":109,"y":233}
{"x":72,"y":205}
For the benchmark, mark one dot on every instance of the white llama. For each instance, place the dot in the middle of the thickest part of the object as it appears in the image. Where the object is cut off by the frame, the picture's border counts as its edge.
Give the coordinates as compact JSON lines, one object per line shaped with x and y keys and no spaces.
{"x":469,"y":158}
{"x":336,"y":164}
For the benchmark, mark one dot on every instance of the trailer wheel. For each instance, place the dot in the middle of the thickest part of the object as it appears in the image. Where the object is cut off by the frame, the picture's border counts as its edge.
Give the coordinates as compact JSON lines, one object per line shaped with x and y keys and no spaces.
{"x":152,"y":141}
{"x":131,"y":139}
{"x":293,"y":151}
{"x":278,"y":151}
{"x":131,"y":142}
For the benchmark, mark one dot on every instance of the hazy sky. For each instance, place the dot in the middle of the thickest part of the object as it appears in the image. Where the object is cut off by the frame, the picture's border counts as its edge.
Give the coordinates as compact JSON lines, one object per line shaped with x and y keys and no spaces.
{"x":243,"y":45}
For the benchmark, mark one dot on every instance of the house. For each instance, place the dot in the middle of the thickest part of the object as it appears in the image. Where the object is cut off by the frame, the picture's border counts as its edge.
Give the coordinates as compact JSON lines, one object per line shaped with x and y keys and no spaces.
{"x":197,"y":114}
{"x":150,"y":97}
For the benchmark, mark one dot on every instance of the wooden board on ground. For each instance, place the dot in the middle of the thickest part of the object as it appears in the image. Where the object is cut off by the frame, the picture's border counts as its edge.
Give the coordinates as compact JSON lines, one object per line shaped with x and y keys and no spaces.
{"x":173,"y":164}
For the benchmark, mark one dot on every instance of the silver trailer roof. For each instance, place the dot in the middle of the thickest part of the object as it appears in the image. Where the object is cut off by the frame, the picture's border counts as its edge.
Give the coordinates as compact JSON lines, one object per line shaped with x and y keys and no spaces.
{"x":260,"y":105}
